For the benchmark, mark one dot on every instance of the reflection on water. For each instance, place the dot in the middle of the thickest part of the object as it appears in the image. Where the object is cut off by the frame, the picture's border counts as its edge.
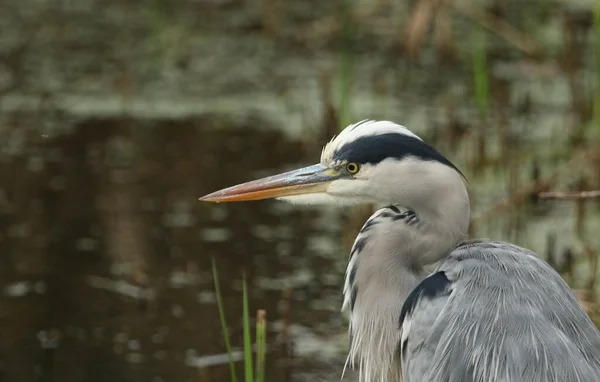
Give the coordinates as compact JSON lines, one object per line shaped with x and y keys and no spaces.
{"x":107,"y":251}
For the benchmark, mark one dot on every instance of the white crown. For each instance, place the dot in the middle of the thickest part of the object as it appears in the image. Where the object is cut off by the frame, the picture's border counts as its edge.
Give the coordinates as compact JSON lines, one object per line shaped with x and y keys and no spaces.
{"x":362,"y":129}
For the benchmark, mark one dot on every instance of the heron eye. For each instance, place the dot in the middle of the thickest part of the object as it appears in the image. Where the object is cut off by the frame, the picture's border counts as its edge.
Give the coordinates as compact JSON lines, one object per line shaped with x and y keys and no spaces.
{"x":352,"y":167}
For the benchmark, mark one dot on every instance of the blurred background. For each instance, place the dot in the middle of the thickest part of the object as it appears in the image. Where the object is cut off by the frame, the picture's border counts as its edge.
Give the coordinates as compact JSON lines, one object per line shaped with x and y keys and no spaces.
{"x":115,"y":116}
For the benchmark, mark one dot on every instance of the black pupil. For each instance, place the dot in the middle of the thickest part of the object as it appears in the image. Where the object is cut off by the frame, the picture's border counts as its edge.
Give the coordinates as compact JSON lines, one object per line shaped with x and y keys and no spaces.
{"x":351,"y":167}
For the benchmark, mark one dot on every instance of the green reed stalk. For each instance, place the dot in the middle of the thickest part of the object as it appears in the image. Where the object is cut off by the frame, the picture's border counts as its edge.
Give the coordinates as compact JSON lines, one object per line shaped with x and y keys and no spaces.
{"x":480,"y":71}
{"x":247,"y":340}
{"x":597,"y":67}
{"x":346,"y":64}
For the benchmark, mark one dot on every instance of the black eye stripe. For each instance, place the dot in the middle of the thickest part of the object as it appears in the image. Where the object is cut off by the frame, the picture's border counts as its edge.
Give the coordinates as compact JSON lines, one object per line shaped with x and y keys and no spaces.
{"x":375,"y":148}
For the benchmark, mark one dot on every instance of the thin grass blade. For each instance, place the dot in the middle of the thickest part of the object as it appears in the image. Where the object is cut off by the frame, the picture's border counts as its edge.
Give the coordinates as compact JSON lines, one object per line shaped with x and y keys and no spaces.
{"x":223,"y":322}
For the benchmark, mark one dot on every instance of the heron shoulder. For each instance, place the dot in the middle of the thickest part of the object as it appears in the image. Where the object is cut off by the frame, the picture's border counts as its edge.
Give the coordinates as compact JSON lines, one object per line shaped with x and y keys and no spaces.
{"x":509,"y":316}
{"x":471,"y":258}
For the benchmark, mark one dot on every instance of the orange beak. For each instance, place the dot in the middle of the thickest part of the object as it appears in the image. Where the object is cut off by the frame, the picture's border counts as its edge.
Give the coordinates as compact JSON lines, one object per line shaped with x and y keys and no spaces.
{"x":308,"y":180}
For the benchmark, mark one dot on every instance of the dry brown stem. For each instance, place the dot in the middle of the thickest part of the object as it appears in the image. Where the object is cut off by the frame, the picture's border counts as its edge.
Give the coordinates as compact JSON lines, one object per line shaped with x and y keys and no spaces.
{"x":519,"y":197}
{"x":503,"y":29}
{"x":569,"y":195}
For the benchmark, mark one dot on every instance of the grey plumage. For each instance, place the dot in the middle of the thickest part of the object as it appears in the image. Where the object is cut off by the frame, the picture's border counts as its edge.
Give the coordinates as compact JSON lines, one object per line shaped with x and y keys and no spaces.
{"x":507,"y":317}
{"x":489,"y":311}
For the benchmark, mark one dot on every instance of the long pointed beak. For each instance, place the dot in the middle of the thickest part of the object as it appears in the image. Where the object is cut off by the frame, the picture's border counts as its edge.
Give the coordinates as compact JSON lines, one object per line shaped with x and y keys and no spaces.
{"x":308,"y":180}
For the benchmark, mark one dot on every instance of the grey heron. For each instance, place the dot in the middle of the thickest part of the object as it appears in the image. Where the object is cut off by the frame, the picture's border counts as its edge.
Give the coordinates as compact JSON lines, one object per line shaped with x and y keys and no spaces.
{"x":489,"y":310}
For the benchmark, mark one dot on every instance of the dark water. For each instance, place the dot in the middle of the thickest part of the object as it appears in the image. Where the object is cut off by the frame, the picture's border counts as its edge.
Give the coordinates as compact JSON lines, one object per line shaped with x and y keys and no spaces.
{"x":115,"y":201}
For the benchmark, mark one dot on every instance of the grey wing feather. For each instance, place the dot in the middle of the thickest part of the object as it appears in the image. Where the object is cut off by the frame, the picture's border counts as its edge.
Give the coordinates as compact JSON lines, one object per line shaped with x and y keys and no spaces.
{"x":508,"y":316}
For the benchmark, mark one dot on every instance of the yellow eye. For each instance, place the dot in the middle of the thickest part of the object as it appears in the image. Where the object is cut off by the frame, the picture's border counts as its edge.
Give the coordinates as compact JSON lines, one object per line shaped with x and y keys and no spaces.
{"x":352,"y":167}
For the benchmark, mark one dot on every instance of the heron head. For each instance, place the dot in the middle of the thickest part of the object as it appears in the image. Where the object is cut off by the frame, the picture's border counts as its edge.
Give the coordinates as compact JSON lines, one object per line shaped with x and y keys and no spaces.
{"x":368,"y":162}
